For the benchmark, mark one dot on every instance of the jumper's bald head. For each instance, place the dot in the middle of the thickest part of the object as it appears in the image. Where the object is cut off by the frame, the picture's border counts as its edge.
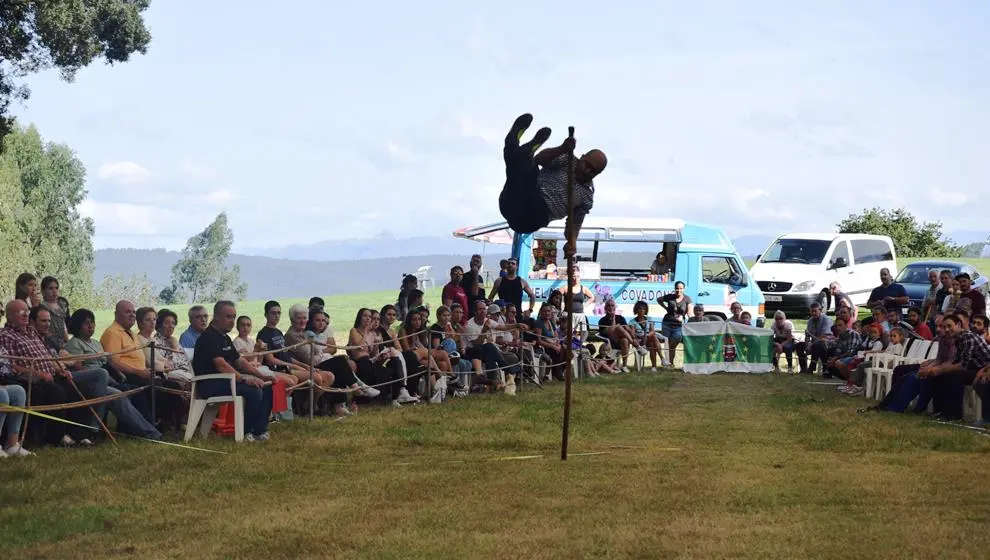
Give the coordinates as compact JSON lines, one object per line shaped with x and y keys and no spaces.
{"x":590,"y":165}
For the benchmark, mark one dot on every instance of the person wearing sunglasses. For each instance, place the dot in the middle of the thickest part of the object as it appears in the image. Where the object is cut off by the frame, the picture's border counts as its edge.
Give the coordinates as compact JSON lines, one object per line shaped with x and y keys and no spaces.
{"x":535,"y":190}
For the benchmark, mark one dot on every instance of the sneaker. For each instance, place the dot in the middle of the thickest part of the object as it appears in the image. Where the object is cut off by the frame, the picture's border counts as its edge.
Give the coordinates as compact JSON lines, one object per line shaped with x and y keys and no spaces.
{"x":16,"y":451}
{"x":264,"y":437}
{"x":341,"y":411}
{"x":510,"y":385}
{"x":405,"y":397}
{"x":855,"y":391}
{"x":67,"y":441}
{"x":370,"y":392}
{"x":625,"y":369}
{"x":396,"y":404}
{"x":653,"y":370}
{"x":86,"y":442}
{"x":249,"y":438}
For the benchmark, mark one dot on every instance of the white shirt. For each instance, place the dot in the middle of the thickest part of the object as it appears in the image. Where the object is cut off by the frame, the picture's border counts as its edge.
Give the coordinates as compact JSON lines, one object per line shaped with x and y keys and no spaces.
{"x":472,"y":330}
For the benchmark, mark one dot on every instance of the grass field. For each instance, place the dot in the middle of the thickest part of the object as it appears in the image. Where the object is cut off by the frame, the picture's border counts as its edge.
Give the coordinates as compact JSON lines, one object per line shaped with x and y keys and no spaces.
{"x":694,"y":466}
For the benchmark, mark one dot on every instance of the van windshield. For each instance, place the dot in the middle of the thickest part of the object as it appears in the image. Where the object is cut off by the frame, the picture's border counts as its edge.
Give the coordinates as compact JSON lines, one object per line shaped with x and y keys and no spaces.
{"x":799,"y":251}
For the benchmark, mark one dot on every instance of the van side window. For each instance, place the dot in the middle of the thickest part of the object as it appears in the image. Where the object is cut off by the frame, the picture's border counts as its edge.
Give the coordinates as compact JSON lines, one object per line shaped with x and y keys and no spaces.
{"x":871,"y":250}
{"x":841,"y":252}
{"x":721,"y":270}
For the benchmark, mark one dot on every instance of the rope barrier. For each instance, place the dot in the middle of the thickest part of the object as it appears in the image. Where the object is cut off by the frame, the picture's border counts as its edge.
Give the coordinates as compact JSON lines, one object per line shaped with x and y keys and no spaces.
{"x":79,"y":404}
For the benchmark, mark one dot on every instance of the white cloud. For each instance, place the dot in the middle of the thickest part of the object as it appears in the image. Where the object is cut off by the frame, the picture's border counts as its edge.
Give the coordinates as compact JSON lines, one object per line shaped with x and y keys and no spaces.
{"x":124,"y":173}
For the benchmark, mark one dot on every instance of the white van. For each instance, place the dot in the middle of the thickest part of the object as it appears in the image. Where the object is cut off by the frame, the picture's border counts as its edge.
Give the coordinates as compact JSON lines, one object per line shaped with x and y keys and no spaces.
{"x":797,"y":268}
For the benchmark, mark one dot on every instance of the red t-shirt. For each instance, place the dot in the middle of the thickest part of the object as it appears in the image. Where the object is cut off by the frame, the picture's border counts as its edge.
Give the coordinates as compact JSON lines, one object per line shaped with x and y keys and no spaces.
{"x":456,"y":294}
{"x":923,"y":331}
{"x":979,"y":303}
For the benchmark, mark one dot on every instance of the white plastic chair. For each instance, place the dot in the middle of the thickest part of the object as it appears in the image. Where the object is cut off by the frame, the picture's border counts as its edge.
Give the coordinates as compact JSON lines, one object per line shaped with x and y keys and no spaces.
{"x":424,"y":277}
{"x":202,"y":412}
{"x":972,"y":404}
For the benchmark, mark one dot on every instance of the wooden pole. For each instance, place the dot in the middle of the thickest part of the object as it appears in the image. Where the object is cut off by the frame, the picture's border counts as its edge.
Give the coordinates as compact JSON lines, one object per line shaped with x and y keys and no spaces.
{"x":569,"y":301}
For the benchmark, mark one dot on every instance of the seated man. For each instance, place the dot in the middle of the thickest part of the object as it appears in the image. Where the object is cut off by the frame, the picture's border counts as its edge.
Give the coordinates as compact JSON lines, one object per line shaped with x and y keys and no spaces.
{"x":817,"y":339}
{"x":534,"y":197}
{"x":198,"y":318}
{"x":843,"y":352}
{"x":215,"y":353}
{"x":948,"y":381}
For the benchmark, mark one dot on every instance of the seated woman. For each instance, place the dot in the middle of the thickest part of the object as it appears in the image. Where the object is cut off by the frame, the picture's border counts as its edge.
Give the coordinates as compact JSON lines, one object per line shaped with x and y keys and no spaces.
{"x":414,"y":337}
{"x":549,"y":340}
{"x":646,"y":333}
{"x":175,"y":361}
{"x":414,"y":370}
{"x":736,"y":309}
{"x":376,"y":364}
{"x":620,"y":334}
{"x":170,"y":406}
{"x":323,"y":355}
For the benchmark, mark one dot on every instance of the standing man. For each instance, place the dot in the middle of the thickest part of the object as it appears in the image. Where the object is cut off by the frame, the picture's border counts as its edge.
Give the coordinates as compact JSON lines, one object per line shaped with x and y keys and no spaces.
{"x":888,"y":294}
{"x":453,"y":292}
{"x":510,"y":288}
{"x":978,"y":304}
{"x":473,"y":285}
{"x":215,"y":353}
{"x":535,"y":191}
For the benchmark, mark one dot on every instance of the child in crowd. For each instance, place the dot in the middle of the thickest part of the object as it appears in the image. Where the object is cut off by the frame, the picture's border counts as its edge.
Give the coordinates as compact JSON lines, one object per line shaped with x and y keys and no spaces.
{"x":856,"y":368}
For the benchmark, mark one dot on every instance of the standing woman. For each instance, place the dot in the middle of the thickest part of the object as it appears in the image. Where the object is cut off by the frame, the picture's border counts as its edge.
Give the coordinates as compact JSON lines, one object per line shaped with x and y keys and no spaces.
{"x":26,"y":289}
{"x":409,"y":283}
{"x":679,"y":306}
{"x":583,"y":297}
{"x":58,"y":334}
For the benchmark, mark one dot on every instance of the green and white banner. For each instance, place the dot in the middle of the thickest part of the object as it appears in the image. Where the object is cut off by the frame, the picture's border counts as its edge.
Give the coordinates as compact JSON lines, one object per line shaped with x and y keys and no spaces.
{"x":717,"y":346}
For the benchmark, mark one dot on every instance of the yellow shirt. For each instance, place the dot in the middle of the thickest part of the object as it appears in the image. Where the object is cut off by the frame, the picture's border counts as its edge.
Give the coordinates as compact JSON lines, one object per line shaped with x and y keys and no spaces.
{"x":116,"y":338}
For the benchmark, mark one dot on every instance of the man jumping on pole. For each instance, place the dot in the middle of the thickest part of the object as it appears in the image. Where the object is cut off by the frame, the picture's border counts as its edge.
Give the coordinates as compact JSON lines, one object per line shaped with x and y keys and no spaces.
{"x":533,"y":197}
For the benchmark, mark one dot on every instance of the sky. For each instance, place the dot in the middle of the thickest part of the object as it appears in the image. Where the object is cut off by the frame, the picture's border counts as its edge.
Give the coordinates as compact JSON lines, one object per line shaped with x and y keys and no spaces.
{"x":329,"y":120}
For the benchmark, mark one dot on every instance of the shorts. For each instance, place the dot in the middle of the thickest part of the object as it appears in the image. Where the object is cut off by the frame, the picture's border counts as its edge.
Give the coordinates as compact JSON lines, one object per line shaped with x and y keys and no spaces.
{"x":672,"y":332}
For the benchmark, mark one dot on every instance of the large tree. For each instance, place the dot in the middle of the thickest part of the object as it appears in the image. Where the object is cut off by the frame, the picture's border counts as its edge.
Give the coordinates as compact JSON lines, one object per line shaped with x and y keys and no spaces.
{"x":911,"y":238}
{"x":201,"y":273}
{"x":37,"y":35}
{"x":42,"y":185}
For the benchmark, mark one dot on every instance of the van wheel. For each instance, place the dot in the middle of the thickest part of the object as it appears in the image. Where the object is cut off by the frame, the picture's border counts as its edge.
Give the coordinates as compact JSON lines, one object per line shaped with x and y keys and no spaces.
{"x":825,"y":300}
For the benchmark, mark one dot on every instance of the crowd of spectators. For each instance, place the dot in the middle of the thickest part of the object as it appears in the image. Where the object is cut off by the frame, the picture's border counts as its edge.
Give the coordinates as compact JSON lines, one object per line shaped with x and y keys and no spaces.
{"x":953,"y":313}
{"x":405,"y":353}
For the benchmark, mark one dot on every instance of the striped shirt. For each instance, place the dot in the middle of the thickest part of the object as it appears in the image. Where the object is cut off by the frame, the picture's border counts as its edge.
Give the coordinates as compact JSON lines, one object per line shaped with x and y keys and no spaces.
{"x":552,"y":184}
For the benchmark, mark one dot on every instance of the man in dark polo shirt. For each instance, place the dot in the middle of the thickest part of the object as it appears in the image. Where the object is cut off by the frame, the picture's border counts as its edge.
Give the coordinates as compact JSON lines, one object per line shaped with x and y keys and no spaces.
{"x":889,"y":294}
{"x":215,"y":353}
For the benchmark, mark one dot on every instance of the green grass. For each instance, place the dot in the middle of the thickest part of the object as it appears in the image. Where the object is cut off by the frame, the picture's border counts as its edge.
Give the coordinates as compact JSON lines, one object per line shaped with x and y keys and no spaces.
{"x":693,"y":466}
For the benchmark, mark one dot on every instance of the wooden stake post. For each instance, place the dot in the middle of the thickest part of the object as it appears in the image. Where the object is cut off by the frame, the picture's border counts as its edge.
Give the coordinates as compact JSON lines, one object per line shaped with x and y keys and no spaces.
{"x":569,"y":300}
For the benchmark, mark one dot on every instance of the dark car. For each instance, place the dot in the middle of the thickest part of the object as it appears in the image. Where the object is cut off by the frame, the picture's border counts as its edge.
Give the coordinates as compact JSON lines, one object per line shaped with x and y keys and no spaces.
{"x":914,"y":278}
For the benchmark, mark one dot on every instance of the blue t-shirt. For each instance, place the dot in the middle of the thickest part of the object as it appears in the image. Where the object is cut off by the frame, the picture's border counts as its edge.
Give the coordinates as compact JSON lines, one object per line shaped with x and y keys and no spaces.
{"x":189,"y":338}
{"x":893,"y":290}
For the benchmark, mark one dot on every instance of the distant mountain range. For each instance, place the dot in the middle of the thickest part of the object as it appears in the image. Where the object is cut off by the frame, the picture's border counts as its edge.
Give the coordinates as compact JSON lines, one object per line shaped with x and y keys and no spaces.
{"x":363,"y":265}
